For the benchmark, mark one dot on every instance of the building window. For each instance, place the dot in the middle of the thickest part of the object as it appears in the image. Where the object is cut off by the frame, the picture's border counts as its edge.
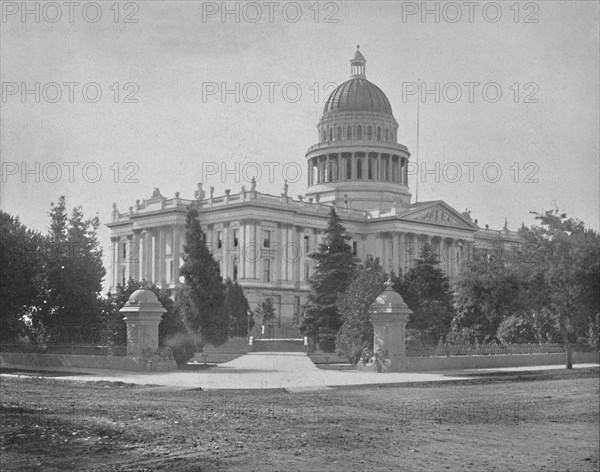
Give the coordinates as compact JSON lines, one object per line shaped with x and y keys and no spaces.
{"x":219,"y":239}
{"x":349,"y":169}
{"x":123,"y":276}
{"x":359,"y":169}
{"x":266,"y":238}
{"x":170,"y":272}
{"x":387,"y":135}
{"x":124,"y":251}
{"x":306,"y":271}
{"x":339,"y":133}
{"x":306,"y":245}
{"x":369,"y":133}
{"x":354,"y":248}
{"x":370,"y":170}
{"x":359,"y":132}
{"x":235,"y":270}
{"x":330,"y":134}
{"x":378,"y":133}
{"x":349,"y":133}
{"x":266,"y":270}
{"x":235,"y":238}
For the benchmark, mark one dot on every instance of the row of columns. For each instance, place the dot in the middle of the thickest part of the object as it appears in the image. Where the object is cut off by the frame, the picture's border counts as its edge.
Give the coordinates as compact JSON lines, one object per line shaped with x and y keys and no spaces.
{"x":145,"y":255}
{"x":401,"y":249}
{"x":334,"y":168}
{"x":286,"y":255}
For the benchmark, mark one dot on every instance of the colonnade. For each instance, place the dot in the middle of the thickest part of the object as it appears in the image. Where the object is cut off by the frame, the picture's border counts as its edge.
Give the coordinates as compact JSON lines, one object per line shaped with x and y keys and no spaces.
{"x":351,"y":166}
{"x":153,"y":254}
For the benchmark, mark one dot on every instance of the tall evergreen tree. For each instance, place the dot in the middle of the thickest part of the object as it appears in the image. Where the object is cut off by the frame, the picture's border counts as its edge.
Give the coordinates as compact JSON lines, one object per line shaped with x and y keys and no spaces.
{"x":426,"y":290}
{"x":201,"y":299}
{"x":236,"y":307}
{"x":70,"y":302}
{"x":334,"y":267}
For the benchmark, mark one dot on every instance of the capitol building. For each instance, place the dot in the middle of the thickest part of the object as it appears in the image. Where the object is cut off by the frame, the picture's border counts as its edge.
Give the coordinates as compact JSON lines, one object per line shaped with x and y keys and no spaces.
{"x":263,"y":241}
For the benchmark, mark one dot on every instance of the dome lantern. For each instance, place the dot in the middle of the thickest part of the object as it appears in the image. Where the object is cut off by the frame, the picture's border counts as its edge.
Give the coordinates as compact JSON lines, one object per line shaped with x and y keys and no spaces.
{"x":357,"y":64}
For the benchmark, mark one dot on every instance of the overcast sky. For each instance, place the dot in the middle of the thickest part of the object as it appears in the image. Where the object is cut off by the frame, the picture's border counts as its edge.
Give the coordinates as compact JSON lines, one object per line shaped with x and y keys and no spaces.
{"x":541,"y":134}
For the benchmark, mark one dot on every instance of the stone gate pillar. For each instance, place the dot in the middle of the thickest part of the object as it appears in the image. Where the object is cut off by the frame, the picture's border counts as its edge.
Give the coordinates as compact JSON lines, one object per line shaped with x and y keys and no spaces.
{"x":143,"y":313}
{"x":389,"y":315}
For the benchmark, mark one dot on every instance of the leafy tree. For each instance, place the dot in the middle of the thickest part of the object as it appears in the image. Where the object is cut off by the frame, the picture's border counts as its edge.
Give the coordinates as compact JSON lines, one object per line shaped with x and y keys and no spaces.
{"x":266,"y":312}
{"x":356,"y":332}
{"x":334,"y":268}
{"x":201,"y":299}
{"x":488,"y":292}
{"x":563,"y":268}
{"x":21,"y":267}
{"x":426,"y":290}
{"x":236,"y":307}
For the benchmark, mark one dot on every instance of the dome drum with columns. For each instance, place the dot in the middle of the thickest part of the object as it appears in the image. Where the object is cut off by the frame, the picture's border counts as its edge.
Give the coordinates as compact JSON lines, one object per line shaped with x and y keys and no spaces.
{"x":358,"y":158}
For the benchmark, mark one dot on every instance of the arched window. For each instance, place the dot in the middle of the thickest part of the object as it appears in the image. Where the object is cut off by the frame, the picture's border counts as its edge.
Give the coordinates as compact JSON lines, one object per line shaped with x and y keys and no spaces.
{"x":379,"y":133}
{"x":359,"y":132}
{"x":370,"y":170}
{"x":359,"y":169}
{"x":369,"y":133}
{"x":349,"y":169}
{"x":349,"y":133}
{"x":339,"y":133}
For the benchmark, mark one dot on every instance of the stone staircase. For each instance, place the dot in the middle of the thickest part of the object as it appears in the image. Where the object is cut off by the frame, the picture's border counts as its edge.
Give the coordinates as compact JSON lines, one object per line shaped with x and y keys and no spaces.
{"x":276,"y":339}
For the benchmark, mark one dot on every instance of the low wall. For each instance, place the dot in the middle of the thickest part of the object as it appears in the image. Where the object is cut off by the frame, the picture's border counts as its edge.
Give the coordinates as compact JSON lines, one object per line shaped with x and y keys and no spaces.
{"x":418,"y":364}
{"x":28,"y":359}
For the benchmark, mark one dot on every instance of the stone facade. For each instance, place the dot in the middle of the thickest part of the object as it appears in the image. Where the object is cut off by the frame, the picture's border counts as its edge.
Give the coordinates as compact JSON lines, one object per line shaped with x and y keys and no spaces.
{"x":263,"y":241}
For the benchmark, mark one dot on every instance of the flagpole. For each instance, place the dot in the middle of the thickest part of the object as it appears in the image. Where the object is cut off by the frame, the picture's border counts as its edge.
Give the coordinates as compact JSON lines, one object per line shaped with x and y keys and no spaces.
{"x":417,"y":157}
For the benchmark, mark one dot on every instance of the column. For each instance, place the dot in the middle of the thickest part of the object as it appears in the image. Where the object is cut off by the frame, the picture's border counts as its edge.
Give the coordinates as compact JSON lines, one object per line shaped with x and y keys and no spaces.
{"x":242,"y":250}
{"x":379,"y":178}
{"x":154,"y":257}
{"x":402,"y":252}
{"x":353,"y":164}
{"x":176,"y":253}
{"x":339,"y":167}
{"x":396,"y":253}
{"x":327,"y":169}
{"x":162,"y":255}
{"x":114,"y":269}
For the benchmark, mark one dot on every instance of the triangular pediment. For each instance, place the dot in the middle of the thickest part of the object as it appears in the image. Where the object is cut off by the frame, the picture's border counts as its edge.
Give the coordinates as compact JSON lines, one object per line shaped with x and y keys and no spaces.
{"x":438,"y":213}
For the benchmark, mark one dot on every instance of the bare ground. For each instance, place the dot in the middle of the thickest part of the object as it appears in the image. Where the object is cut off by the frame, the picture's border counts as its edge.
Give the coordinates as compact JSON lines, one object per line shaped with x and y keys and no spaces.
{"x":499,"y":424}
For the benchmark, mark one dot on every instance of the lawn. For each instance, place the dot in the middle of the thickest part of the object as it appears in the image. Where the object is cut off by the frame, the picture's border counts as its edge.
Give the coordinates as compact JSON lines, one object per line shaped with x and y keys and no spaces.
{"x":552,"y":425}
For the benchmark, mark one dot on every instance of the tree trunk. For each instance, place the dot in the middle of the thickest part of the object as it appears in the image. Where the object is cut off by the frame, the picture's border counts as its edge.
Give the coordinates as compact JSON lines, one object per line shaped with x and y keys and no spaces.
{"x":565,"y":338}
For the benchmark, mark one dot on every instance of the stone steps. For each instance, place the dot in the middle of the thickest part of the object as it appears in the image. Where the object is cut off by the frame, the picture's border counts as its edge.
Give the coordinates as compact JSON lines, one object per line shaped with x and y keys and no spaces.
{"x":278,"y":345}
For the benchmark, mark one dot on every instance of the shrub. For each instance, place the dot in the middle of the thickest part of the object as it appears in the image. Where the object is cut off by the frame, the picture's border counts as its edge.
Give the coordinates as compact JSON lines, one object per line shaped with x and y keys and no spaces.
{"x":183,"y":345}
{"x":326,"y":340}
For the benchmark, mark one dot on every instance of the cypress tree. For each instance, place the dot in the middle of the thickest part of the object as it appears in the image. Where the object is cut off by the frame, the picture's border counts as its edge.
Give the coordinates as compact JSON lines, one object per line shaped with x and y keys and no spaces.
{"x":334,"y":268}
{"x":201,"y":299}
